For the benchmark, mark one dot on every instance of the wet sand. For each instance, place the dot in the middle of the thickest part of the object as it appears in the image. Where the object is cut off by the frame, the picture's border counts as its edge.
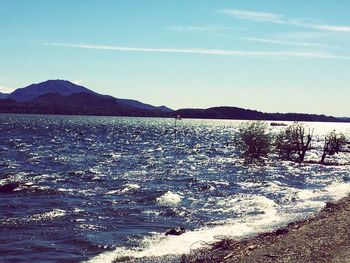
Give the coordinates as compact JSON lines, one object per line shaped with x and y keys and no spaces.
{"x":324,"y":237}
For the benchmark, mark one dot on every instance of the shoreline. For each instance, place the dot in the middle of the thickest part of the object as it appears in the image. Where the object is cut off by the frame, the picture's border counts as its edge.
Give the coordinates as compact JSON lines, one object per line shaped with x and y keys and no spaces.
{"x":322,"y":237}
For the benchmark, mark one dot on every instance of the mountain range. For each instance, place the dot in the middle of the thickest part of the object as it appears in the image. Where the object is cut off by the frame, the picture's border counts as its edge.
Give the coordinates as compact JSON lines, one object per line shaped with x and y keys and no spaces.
{"x":64,"y":97}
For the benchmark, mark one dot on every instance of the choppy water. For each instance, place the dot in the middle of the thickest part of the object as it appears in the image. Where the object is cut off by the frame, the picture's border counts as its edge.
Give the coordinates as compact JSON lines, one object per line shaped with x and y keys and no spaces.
{"x":101,"y":188}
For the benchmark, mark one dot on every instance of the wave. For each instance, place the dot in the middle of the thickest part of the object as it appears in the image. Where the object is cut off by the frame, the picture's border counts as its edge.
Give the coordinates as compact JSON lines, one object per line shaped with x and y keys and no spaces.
{"x":261,"y":214}
{"x":169,"y":198}
{"x":159,"y":245}
{"x":127,"y":188}
{"x":55,"y":213}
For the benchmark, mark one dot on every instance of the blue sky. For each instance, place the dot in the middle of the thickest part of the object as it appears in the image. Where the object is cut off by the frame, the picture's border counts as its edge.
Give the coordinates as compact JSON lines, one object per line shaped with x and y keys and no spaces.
{"x":273,"y":56}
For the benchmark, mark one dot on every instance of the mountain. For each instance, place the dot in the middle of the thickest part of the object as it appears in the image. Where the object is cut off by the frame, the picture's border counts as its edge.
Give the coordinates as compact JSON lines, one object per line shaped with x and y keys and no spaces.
{"x":76,"y":104}
{"x":33,"y":91}
{"x":165,"y":109}
{"x":66,"y":88}
{"x":3,"y":95}
{"x":140,"y":105}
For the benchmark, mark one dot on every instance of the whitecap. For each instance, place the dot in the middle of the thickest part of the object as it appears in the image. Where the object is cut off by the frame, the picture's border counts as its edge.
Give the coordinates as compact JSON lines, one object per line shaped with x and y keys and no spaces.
{"x":127,"y":188}
{"x":130,"y":187}
{"x":338,"y":190}
{"x":159,"y":245}
{"x":55,"y":213}
{"x":169,"y":198}
{"x":224,"y":183}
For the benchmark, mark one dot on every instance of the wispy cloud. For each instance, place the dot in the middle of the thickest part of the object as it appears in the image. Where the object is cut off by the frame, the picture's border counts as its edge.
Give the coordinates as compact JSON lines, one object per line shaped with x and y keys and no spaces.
{"x":331,"y":28}
{"x":281,"y":19}
{"x":212,"y":30}
{"x":302,"y":36}
{"x":254,"y":16}
{"x":217,"y":52}
{"x":283,"y":42}
{"x":6,"y":89}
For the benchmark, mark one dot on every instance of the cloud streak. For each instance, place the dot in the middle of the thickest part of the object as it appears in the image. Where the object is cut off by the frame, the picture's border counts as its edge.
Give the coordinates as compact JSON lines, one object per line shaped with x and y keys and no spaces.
{"x":216,"y":52}
{"x":210,"y":29}
{"x":254,"y":16}
{"x":281,"y":19}
{"x":283,"y":42}
{"x":213,"y":30}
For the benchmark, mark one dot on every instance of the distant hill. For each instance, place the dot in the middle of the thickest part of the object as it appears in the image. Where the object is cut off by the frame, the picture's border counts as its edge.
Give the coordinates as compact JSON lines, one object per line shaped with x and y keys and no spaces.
{"x":76,"y":104}
{"x":3,"y":95}
{"x":64,"y":97}
{"x":165,"y":109}
{"x":246,"y":114}
{"x":140,"y":105}
{"x":222,"y":113}
{"x":66,"y":88}
{"x":344,"y":119}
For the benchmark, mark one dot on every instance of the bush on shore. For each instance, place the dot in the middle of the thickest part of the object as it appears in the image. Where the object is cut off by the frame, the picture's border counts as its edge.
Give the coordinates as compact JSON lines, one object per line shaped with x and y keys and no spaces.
{"x":253,"y":140}
{"x":293,"y":141}
{"x":333,"y":144}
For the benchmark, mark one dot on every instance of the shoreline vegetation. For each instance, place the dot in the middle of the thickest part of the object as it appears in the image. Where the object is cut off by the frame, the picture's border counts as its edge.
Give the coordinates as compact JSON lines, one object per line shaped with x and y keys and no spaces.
{"x":323,"y":237}
{"x":255,"y":142}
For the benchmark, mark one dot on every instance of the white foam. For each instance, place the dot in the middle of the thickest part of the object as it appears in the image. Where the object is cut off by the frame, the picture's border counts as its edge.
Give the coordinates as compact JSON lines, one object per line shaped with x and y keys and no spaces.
{"x":127,"y":188}
{"x":307,"y":194}
{"x":112,"y":192}
{"x":160,"y":245}
{"x":334,"y":191}
{"x":258,"y":214}
{"x":65,"y":190}
{"x":307,"y":201}
{"x":55,"y":213}
{"x":169,"y":198}
{"x":338,"y":190}
{"x":224,"y":183}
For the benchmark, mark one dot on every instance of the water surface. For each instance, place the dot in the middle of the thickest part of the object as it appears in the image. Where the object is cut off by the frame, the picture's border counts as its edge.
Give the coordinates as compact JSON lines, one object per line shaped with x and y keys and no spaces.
{"x":102,"y":188}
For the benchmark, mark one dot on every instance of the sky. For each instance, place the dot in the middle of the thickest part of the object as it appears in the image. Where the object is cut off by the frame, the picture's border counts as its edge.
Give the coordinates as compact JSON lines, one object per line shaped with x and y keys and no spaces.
{"x":272,"y":55}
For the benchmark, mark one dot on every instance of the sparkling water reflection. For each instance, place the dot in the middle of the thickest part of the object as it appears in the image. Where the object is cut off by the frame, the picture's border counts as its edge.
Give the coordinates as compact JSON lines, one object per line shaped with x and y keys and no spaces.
{"x":111,"y":187}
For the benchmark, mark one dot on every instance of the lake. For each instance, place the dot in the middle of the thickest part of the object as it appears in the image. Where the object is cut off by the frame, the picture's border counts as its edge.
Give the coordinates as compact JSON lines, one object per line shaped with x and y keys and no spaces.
{"x":101,"y":189}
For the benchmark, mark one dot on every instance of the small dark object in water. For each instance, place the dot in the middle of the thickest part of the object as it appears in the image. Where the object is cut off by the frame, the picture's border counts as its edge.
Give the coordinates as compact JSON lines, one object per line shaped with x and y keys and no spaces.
{"x":206,"y":187}
{"x":176,"y":231}
{"x":8,"y":188}
{"x":277,"y":124}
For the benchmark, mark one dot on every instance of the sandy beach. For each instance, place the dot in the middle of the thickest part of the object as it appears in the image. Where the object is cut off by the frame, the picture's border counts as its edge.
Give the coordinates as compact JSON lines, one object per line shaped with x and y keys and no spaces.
{"x":324,"y":237}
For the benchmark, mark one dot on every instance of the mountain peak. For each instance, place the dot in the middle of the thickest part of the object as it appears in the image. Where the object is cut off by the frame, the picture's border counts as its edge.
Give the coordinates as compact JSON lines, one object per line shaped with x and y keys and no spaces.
{"x":62,"y":87}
